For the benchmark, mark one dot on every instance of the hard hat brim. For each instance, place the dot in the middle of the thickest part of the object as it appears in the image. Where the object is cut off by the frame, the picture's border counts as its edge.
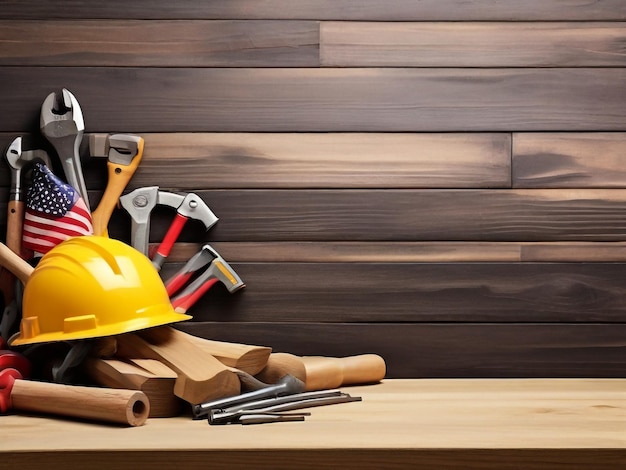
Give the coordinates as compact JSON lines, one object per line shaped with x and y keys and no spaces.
{"x":100,"y":331}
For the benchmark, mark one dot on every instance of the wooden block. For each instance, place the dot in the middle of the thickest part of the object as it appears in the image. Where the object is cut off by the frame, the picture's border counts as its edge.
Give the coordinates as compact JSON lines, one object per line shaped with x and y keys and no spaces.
{"x":250,"y":359}
{"x":150,"y":376}
{"x":201,"y":377}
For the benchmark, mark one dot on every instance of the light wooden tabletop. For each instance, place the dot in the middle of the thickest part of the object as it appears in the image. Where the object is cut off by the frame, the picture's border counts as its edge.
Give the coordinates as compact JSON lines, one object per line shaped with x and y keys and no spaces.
{"x":476,"y":423}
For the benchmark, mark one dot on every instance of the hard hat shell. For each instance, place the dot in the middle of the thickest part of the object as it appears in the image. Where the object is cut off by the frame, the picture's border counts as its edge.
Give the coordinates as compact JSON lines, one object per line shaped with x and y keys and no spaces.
{"x":92,"y":286}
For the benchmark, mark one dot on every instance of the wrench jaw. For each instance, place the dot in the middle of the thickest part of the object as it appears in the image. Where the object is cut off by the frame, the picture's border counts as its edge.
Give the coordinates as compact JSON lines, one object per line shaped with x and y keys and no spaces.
{"x":61,"y":122}
{"x":13,"y":154}
{"x":61,"y":116}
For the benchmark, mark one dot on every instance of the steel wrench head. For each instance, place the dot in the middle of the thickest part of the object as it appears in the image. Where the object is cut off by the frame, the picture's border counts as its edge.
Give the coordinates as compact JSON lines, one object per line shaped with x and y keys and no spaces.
{"x":62,"y":123}
{"x":61,"y":115}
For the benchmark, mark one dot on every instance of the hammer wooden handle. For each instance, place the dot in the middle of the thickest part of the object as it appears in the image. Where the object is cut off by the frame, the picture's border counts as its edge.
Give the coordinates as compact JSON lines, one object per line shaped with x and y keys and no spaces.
{"x":129,"y":407}
{"x":10,"y":260}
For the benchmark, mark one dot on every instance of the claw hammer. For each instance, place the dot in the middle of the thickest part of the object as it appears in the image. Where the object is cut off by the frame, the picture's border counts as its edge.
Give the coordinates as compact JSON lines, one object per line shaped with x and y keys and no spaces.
{"x":139,"y":205}
{"x":124,"y":154}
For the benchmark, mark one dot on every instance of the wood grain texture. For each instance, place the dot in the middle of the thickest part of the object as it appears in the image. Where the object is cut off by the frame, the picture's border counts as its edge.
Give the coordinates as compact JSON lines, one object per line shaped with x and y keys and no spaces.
{"x":446,"y":350}
{"x":336,"y":160}
{"x":418,"y":292}
{"x":422,"y":424}
{"x":188,"y":161}
{"x":348,"y":459}
{"x":129,"y":43}
{"x":399,"y":216}
{"x":565,"y":160}
{"x":471,"y":44}
{"x":409,"y":252}
{"x":320,"y":100}
{"x":371,"y":10}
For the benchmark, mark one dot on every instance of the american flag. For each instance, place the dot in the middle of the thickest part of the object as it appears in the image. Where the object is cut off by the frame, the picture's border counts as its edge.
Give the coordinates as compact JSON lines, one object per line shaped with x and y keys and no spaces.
{"x":54,"y":212}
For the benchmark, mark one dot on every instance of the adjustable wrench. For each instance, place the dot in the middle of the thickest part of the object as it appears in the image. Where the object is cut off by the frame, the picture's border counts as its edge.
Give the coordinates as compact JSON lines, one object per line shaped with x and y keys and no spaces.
{"x":140,"y":203}
{"x":124,"y":153}
{"x":62,"y":123}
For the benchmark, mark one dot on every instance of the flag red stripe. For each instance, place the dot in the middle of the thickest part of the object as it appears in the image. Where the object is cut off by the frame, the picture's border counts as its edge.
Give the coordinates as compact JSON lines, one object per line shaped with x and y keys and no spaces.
{"x":70,"y":228}
{"x":78,"y":209}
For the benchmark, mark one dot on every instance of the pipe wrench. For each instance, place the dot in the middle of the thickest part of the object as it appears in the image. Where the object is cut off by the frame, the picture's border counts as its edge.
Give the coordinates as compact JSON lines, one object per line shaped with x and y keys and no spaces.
{"x":124,"y":154}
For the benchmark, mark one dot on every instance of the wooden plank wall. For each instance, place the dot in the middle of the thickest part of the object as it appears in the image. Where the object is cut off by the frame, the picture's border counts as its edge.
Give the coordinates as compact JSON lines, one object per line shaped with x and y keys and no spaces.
{"x":440,"y":182}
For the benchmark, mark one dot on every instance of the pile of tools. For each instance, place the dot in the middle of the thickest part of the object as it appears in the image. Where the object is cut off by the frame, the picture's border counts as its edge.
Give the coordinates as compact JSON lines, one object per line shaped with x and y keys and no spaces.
{"x":128,"y":373}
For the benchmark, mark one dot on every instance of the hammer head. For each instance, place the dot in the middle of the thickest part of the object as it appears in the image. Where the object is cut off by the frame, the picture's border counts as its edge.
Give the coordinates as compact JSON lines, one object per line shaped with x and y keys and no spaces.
{"x":221,"y":270}
{"x":190,"y":206}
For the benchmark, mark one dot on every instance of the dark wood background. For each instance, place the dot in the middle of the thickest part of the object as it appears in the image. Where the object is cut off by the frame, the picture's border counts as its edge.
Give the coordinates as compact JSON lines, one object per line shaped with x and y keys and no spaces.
{"x":440,"y":182}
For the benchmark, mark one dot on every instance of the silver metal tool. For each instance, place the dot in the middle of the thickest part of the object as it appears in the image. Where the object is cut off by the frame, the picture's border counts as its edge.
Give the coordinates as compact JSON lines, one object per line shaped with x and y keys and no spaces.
{"x":288,"y":385}
{"x":62,"y":123}
{"x":278,"y":405}
{"x":215,"y":269}
{"x":18,"y":158}
{"x":140,"y":203}
{"x":124,"y":152}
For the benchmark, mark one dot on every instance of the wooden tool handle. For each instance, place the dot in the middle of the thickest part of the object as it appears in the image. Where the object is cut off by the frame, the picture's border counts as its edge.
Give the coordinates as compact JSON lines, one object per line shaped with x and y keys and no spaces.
{"x":129,"y":407}
{"x":119,"y":176}
{"x":362,"y":369}
{"x":280,"y":364}
{"x":15,"y":222}
{"x":321,"y":373}
{"x":20,"y":268}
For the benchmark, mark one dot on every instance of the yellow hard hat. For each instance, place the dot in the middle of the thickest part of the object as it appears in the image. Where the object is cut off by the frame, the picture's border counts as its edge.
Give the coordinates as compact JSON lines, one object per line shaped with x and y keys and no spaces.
{"x":92,"y":286}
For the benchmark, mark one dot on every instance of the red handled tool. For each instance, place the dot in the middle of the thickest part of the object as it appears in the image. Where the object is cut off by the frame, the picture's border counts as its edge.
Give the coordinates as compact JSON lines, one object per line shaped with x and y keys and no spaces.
{"x":191,"y":206}
{"x":217,"y":270}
